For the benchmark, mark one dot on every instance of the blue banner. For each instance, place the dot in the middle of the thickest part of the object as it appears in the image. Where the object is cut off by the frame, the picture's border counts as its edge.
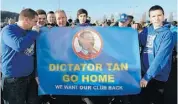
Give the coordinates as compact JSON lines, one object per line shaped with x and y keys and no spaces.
{"x":100,"y":61}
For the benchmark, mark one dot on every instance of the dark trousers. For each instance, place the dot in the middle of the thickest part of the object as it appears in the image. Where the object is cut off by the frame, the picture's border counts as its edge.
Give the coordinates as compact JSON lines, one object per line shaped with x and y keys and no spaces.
{"x":121,"y":100}
{"x":23,"y":90}
{"x":153,"y":93}
{"x":134,"y":99}
{"x":45,"y":99}
{"x":66,"y":99}
{"x":99,"y":99}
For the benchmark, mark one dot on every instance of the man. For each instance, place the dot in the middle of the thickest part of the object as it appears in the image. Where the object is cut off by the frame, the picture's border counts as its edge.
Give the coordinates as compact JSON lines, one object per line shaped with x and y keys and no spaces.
{"x":61,"y":21}
{"x":86,"y":41}
{"x":61,"y":18}
{"x":123,"y":20}
{"x":82,"y":15}
{"x":130,"y":20}
{"x":157,"y":42}
{"x":42,"y":21}
{"x":51,"y":19}
{"x":41,"y":17}
{"x":18,"y":78}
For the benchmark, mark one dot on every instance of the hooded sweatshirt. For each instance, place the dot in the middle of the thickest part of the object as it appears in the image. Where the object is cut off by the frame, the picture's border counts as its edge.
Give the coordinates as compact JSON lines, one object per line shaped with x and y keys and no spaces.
{"x":157,"y":52}
{"x":17,"y":51}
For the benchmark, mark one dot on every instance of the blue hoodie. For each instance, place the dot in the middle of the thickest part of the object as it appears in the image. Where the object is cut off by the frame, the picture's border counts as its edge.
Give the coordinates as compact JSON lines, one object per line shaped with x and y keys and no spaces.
{"x":17,"y":51}
{"x":157,"y":52}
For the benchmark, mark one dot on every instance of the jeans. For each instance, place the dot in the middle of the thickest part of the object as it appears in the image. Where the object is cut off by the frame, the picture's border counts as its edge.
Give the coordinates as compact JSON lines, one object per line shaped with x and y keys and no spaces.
{"x":23,"y":90}
{"x":153,"y":93}
{"x":65,"y":99}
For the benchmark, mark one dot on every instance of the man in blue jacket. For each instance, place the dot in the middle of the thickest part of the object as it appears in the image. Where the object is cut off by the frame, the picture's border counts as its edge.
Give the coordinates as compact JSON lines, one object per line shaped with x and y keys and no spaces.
{"x":157,"y":44}
{"x":18,"y":80}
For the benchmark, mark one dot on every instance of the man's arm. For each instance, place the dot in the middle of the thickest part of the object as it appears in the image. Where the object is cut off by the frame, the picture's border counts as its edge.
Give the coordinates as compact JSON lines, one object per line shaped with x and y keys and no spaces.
{"x":17,"y":43}
{"x":161,"y":58}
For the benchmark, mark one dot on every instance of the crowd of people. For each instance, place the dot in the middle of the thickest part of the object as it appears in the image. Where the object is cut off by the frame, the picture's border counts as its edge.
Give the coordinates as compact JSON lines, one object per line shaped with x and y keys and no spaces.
{"x":158,"y":51}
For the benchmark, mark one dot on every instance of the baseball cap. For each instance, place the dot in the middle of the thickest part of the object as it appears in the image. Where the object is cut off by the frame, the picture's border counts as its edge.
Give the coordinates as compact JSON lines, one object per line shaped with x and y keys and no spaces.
{"x":123,"y":17}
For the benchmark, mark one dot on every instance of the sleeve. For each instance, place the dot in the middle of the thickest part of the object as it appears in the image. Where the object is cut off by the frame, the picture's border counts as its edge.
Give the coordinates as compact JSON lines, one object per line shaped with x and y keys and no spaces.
{"x":162,"y":57}
{"x":13,"y":40}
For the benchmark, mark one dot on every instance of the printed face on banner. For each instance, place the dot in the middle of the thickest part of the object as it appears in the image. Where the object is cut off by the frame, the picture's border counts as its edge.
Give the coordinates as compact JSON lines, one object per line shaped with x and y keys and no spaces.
{"x":87,"y":44}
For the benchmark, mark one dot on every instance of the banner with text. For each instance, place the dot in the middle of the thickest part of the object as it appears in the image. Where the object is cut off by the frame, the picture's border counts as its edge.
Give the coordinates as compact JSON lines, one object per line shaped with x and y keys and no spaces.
{"x":101,"y":61}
